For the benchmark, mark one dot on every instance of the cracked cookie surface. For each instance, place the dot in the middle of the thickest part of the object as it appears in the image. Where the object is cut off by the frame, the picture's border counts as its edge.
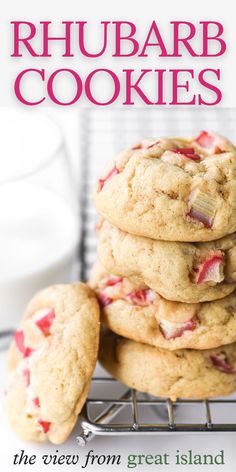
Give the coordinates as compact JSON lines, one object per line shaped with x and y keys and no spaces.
{"x":134,"y":311}
{"x":172,"y":189}
{"x":184,"y":272}
{"x":183,"y":373}
{"x":51,"y":361}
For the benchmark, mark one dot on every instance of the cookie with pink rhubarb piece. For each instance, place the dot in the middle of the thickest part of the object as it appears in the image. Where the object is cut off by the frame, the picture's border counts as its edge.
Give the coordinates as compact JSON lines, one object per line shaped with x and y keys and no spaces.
{"x":51,"y":361}
{"x":184,"y":272}
{"x":184,"y":373}
{"x":136,"y":312}
{"x":173,"y":189}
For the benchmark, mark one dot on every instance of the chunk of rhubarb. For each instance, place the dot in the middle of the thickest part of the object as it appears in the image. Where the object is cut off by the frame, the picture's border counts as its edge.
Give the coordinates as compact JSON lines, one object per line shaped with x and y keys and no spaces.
{"x":20,"y":343}
{"x":36,"y":402}
{"x":211,"y":270}
{"x":26,"y":375}
{"x":202,"y":208}
{"x":205,"y":139}
{"x":112,"y":173}
{"x":113,"y":281}
{"x":187,"y":152}
{"x":208,"y":141}
{"x":221,"y":363}
{"x":172,"y":330}
{"x":45,"y":426}
{"x":145,"y":144}
{"x":143,"y":297}
{"x":104,"y":299}
{"x":44,"y":319}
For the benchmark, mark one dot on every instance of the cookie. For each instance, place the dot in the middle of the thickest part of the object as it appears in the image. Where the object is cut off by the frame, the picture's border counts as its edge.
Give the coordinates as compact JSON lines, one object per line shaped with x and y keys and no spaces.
{"x":174,"y":189}
{"x":51,"y":361}
{"x":183,"y":373}
{"x":184,"y":272}
{"x":136,"y":312}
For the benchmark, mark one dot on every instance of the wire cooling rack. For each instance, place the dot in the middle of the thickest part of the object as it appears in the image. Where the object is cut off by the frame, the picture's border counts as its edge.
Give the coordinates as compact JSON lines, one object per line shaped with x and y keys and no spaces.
{"x":112,"y":408}
{"x":133,"y":412}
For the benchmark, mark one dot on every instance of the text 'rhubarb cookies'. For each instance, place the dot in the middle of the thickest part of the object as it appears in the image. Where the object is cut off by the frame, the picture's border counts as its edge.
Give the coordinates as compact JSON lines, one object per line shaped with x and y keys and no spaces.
{"x":51,"y":361}
{"x":174,"y":189}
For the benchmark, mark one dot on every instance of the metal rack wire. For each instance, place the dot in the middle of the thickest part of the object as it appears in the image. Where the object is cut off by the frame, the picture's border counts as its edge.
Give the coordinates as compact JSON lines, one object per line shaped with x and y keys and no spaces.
{"x":166,"y":415}
{"x":124,"y":411}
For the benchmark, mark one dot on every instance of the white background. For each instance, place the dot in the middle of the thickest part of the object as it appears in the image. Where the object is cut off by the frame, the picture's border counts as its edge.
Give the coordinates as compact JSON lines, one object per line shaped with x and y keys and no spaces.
{"x":140,"y":13}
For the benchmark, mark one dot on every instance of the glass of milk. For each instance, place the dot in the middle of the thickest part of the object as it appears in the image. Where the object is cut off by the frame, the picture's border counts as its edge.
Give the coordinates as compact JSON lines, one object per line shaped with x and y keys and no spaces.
{"x":38,"y":211}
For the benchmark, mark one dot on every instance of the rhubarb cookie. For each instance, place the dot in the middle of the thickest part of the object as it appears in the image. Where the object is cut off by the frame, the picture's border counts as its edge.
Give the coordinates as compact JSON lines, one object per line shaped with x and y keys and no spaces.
{"x":51,"y":361}
{"x":184,"y":272}
{"x":136,"y":312}
{"x":184,"y":373}
{"x":172,"y":189}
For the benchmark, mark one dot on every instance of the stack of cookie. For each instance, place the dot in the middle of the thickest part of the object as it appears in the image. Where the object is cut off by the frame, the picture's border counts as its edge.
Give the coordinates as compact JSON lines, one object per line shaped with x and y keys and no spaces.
{"x":167,"y":272}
